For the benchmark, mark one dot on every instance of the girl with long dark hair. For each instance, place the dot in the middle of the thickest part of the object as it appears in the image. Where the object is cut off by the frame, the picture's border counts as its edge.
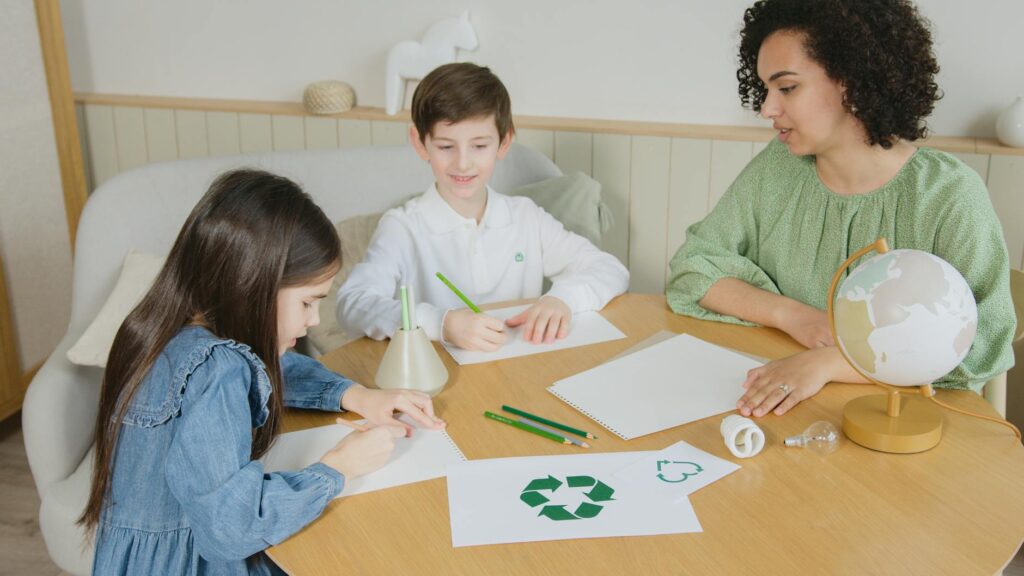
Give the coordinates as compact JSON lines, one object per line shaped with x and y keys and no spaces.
{"x":196,"y":381}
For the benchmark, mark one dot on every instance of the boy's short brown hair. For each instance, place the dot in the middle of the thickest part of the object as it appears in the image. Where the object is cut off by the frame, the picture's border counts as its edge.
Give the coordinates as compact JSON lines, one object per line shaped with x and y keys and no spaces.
{"x":459,"y":91}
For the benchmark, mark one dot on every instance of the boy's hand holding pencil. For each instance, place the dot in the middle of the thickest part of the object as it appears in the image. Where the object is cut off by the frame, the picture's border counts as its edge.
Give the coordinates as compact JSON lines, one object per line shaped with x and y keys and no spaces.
{"x":468,"y":328}
{"x":471,"y":331}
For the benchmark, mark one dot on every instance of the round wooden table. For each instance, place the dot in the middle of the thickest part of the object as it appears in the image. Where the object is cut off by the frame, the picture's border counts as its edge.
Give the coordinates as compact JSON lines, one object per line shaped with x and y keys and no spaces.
{"x":956,"y":509}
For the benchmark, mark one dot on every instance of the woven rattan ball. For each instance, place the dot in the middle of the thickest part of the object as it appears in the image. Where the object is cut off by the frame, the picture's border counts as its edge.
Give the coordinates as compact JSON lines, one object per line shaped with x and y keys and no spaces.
{"x":328,"y":97}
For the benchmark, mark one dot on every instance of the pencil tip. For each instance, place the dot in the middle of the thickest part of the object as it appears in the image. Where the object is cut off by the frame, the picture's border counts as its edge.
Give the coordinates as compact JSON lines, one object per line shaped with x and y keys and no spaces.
{"x":584,"y":444}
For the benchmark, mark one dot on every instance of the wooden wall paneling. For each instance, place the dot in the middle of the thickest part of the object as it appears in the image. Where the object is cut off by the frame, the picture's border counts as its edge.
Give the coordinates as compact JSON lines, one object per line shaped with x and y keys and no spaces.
{"x":190,"y":126}
{"x":289,"y":133}
{"x":648,"y":212}
{"x":542,"y":141}
{"x":83,"y":143}
{"x":688,"y":189}
{"x":611,"y":167}
{"x":130,"y":131}
{"x":255,"y":133}
{"x":389,"y":133}
{"x":353,"y":133}
{"x":223,"y":133}
{"x":977,"y":161}
{"x":574,"y":152}
{"x":728,"y":158}
{"x":99,"y":121}
{"x":1006,"y":188}
{"x":161,"y":136}
{"x":321,"y":133}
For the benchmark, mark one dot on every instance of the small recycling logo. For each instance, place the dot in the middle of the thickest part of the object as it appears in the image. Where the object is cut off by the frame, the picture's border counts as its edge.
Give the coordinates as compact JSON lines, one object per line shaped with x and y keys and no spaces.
{"x":600,"y":492}
{"x":677,"y":471}
{"x":519,"y":257}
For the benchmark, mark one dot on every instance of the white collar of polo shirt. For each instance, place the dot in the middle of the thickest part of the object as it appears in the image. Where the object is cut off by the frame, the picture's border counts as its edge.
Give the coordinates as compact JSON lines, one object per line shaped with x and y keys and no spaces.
{"x":442,"y":218}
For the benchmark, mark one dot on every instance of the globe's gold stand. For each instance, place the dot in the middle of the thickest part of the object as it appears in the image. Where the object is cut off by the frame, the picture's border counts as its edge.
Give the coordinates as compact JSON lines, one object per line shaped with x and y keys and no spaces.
{"x":888,"y":422}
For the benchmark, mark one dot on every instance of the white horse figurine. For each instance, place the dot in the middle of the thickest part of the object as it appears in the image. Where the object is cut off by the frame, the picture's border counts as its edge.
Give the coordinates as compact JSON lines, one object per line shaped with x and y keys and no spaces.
{"x":411,"y":60}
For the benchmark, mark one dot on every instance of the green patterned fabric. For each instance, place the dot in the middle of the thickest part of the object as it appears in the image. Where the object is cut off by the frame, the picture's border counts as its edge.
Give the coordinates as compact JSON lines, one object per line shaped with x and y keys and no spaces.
{"x":780,"y":229}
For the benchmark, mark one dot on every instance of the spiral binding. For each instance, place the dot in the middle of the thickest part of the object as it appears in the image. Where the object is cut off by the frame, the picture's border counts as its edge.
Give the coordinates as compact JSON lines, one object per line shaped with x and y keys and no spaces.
{"x":454,"y":445}
{"x":585,"y":413}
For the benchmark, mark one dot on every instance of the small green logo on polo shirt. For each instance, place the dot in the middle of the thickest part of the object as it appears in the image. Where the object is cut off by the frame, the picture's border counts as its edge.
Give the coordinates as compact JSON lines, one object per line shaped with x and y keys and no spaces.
{"x":519,"y":257}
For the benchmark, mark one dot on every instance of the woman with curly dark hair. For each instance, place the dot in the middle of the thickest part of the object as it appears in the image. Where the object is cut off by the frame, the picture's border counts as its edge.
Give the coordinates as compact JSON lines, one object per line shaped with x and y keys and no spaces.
{"x":847,"y":84}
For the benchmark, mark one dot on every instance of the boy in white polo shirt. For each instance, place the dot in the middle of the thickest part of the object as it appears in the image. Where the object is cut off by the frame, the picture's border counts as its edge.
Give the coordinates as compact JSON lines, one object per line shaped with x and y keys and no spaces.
{"x":491,"y":246}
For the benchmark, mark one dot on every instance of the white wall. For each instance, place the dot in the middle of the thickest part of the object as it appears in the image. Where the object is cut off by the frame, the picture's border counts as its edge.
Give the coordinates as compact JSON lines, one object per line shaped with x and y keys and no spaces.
{"x":651,"y":60}
{"x":33,"y":225}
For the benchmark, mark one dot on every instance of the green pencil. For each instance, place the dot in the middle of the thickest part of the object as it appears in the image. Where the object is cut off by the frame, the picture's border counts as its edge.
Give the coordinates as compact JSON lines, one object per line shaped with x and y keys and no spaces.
{"x":569,"y":429}
{"x":458,"y":293}
{"x":530,"y":429}
{"x":405,"y":309}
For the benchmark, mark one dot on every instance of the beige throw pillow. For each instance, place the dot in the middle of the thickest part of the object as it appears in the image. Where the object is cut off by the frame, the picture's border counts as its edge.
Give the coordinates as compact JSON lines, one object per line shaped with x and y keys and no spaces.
{"x":355,"y":234}
{"x":137,"y":275}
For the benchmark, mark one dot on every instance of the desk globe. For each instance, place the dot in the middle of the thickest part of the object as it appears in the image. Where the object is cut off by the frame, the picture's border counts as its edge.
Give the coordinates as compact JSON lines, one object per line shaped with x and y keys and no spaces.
{"x":902,"y":319}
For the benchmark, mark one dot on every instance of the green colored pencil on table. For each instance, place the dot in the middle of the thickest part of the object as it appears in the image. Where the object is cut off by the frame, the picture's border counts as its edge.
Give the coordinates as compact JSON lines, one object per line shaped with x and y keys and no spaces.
{"x":458,"y":293}
{"x":530,"y":429}
{"x":540,"y":426}
{"x":568,"y":429}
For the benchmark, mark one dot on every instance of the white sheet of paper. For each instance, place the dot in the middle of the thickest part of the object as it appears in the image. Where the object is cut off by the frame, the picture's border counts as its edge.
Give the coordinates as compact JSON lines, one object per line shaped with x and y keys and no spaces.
{"x":665,"y":385}
{"x":585,"y":328}
{"x":486,"y":501}
{"x":422,"y":457}
{"x":680,"y":470}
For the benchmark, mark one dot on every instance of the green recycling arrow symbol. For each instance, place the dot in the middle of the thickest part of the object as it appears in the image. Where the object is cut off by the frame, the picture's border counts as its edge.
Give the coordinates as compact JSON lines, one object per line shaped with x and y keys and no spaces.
{"x":599,"y":492}
{"x":680,"y":470}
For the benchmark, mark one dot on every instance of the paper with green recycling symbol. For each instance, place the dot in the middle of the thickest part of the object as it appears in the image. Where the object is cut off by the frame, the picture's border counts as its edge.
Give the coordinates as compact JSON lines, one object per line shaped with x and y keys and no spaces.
{"x":674,"y":472}
{"x":538,"y":498}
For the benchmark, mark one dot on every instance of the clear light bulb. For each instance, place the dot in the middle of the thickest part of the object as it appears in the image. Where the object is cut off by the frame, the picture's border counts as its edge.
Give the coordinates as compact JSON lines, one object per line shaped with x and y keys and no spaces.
{"x":821,"y":437}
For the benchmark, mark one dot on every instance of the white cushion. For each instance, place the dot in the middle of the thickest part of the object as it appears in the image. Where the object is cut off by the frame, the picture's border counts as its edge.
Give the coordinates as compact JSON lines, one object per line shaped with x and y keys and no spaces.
{"x":137,"y":275}
{"x":68,"y":544}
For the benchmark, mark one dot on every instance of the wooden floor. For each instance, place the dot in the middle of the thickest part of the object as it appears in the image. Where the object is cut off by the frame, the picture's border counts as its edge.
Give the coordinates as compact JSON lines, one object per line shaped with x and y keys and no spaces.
{"x":21,"y":545}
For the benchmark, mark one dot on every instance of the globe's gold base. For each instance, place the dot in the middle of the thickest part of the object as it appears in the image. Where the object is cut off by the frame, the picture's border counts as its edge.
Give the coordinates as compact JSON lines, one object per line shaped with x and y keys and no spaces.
{"x":916,"y":429}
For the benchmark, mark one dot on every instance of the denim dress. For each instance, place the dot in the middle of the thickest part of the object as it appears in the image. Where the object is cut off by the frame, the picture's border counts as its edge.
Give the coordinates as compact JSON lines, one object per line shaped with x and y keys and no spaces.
{"x":186,"y":498}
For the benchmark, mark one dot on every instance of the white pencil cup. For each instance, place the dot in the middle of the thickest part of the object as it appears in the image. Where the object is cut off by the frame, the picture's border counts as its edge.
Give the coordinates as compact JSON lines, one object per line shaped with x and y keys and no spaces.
{"x":411,"y":363}
{"x":742,"y":437}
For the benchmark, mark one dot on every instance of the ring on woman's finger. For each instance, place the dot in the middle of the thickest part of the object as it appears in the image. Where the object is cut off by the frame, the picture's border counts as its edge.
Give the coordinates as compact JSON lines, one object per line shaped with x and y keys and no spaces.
{"x":785,"y":389}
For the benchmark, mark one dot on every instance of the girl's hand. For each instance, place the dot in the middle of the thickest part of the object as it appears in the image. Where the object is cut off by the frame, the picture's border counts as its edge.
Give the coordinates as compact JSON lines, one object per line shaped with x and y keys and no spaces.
{"x":379,"y":406}
{"x":363,"y":452}
{"x":805,"y":324}
{"x":545,"y":321}
{"x":471,"y":331}
{"x":784,"y":383}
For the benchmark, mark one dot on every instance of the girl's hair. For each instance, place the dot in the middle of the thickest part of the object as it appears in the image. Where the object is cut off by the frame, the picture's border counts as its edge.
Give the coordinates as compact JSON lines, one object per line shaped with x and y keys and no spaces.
{"x":251,"y":234}
{"x":879,"y":50}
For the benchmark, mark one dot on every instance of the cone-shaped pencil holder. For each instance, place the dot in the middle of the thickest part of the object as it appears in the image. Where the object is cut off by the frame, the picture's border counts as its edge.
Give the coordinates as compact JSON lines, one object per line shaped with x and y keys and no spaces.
{"x":411,"y":363}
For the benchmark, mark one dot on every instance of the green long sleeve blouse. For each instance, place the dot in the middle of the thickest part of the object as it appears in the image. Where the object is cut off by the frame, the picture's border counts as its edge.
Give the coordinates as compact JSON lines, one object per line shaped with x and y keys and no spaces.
{"x":778,"y":228}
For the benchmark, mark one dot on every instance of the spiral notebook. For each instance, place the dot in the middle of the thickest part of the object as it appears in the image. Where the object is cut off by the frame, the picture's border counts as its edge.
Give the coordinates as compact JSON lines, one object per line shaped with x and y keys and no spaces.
{"x":671,"y":383}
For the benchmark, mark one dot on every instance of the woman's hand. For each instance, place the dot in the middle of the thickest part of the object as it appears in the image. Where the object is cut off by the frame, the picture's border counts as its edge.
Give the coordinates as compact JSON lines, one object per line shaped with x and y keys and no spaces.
{"x":805,"y":324}
{"x":379,"y":406}
{"x":784,"y":383}
{"x":471,"y":331}
{"x":363,"y":452}
{"x":546,"y":321}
